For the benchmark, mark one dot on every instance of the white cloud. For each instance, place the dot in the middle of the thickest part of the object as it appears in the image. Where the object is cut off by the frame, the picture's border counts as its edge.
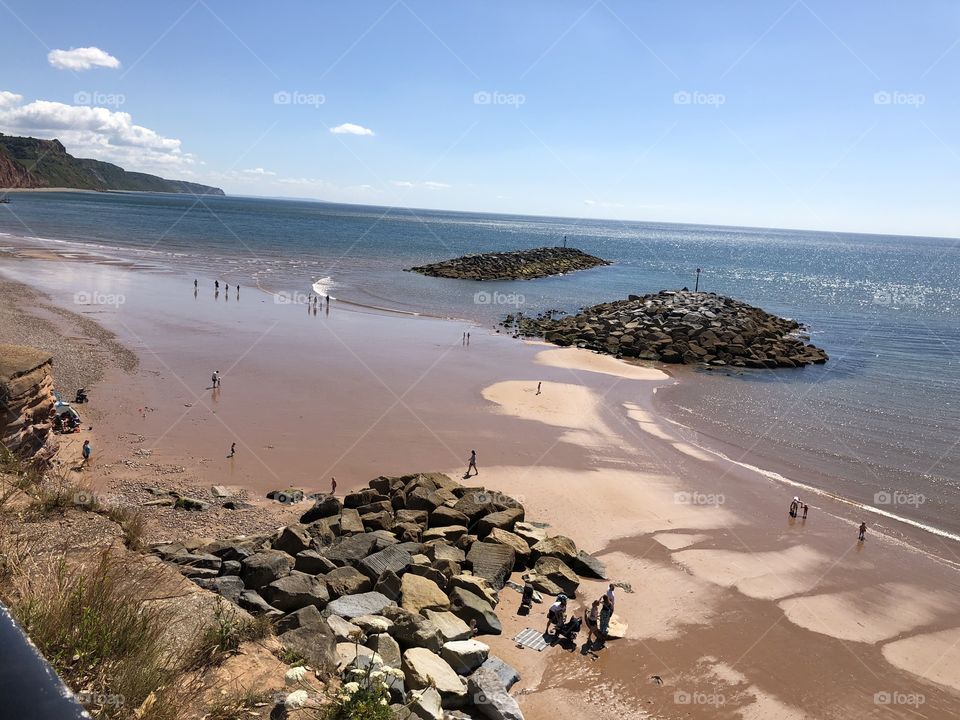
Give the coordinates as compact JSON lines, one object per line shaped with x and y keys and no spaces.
{"x":82,"y":59}
{"x":402,"y":183}
{"x":603,"y":204}
{"x":95,"y":132}
{"x":9,"y":99}
{"x":429,"y":184}
{"x":435,"y":185}
{"x":259,"y":171}
{"x":351,"y":129}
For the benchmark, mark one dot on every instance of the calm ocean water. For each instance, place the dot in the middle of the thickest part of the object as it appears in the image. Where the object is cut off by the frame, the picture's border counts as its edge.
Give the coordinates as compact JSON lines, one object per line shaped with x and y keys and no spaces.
{"x":879,"y":423}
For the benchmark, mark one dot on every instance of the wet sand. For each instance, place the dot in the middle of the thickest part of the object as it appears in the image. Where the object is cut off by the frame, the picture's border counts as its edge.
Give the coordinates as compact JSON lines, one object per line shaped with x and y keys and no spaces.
{"x":739,"y":610}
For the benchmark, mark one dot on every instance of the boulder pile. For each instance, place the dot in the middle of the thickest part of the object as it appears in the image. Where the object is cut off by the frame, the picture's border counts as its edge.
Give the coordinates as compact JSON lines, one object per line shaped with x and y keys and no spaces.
{"x":405,"y":574}
{"x":679,"y":327}
{"x":517,"y":265}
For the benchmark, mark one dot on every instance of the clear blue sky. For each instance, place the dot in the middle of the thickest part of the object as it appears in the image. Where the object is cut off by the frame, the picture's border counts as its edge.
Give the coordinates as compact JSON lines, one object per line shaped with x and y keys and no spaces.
{"x":807,"y":113}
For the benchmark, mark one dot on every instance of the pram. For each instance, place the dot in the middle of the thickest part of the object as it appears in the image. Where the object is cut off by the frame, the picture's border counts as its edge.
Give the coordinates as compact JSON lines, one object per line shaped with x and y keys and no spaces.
{"x":570,"y":629}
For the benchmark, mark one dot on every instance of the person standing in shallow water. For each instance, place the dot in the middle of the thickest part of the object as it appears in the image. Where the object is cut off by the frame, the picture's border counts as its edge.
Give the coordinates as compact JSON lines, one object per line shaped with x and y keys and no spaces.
{"x":863,"y":531}
{"x":472,"y":464}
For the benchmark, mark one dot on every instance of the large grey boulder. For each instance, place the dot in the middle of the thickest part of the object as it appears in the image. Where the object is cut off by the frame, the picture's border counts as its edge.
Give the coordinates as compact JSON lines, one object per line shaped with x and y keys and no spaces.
{"x":446,"y":533}
{"x":516,"y":543}
{"x":425,"y":669}
{"x":558,"y":573}
{"x":295,"y":591}
{"x":531,"y":533}
{"x":228,"y":586}
{"x":252,"y":601}
{"x":465,"y":656}
{"x":314,"y":641}
{"x":587,"y":565}
{"x":347,"y":581}
{"x":503,"y":519}
{"x":393,"y":558}
{"x":264,"y":567}
{"x":491,"y":561}
{"x":313,"y":562}
{"x":293,"y":539}
{"x":557,"y":546}
{"x":344,"y":630}
{"x":507,"y":673}
{"x":349,"y":550}
{"x":412,"y":630}
{"x":490,"y":697}
{"x":449,"y":625}
{"x":389,"y":584}
{"x":444,"y":515}
{"x":368,"y":603}
{"x":476,"y":585}
{"x":387,"y":648}
{"x":467,"y":606}
{"x":323,"y":506}
{"x":441,"y":550}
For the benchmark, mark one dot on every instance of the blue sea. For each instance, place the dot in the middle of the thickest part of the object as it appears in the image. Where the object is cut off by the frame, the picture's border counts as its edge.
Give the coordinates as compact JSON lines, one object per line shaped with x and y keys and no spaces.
{"x":879,"y":423}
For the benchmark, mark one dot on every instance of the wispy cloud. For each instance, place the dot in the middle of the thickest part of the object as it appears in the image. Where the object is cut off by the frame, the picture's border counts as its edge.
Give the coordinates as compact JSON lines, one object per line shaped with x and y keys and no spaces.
{"x":351,"y":129}
{"x":82,"y":59}
{"x":259,"y":171}
{"x":429,"y":184}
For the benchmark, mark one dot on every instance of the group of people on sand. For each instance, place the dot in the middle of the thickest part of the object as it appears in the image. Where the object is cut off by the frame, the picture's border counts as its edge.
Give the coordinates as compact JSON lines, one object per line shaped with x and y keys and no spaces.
{"x":597,"y":618}
{"x":796,"y":506}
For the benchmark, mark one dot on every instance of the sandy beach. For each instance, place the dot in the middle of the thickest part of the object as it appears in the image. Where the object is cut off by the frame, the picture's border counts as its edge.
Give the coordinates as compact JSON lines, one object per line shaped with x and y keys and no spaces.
{"x":732,"y":609}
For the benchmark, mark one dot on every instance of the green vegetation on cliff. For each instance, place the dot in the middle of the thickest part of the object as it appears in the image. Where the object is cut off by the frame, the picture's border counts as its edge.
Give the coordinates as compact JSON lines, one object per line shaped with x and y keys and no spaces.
{"x":32,"y":163}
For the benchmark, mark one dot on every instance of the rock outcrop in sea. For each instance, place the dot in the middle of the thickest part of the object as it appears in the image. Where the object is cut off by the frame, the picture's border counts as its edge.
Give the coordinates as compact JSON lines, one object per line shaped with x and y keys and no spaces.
{"x":405,"y":574}
{"x":26,"y":401}
{"x":679,"y":327}
{"x":517,"y":265}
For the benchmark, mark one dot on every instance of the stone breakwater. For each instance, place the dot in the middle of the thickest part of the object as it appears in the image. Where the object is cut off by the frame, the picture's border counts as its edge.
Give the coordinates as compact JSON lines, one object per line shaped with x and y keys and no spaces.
{"x":517,"y":265}
{"x":404,"y":575}
{"x":679,"y":327}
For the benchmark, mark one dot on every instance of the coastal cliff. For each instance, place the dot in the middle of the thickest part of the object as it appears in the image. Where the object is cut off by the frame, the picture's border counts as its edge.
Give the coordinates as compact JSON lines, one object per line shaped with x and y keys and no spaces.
{"x":26,"y":399}
{"x":518,"y":265}
{"x":679,"y":327}
{"x":27,"y":162}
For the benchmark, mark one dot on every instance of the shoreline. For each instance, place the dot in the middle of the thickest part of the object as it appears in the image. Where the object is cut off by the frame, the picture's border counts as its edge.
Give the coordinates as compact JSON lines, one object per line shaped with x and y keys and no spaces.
{"x":593,"y":457}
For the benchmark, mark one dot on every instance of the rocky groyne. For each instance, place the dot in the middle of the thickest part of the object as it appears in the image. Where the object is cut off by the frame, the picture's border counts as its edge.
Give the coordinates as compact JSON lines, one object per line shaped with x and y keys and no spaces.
{"x":26,"y":402}
{"x":404,"y":575}
{"x":517,"y":265}
{"x":679,"y":327}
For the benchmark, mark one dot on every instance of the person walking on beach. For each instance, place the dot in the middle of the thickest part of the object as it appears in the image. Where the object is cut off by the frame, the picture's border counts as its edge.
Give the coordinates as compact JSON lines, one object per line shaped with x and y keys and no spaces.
{"x":591,"y":618}
{"x":464,"y":340}
{"x":472,"y":464}
{"x":87,"y":449}
{"x":606,"y":612}
{"x":333,"y":486}
{"x":216,"y":285}
{"x":213,"y":379}
{"x":538,"y":388}
{"x":468,"y":338}
{"x":863,"y":531}
{"x":805,"y":509}
{"x":233,"y":450}
{"x":195,"y":284}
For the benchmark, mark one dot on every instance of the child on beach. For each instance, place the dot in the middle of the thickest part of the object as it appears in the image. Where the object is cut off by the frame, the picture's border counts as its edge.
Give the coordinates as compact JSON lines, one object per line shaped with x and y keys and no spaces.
{"x":863,"y":531}
{"x":591,"y":617}
{"x":87,"y":449}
